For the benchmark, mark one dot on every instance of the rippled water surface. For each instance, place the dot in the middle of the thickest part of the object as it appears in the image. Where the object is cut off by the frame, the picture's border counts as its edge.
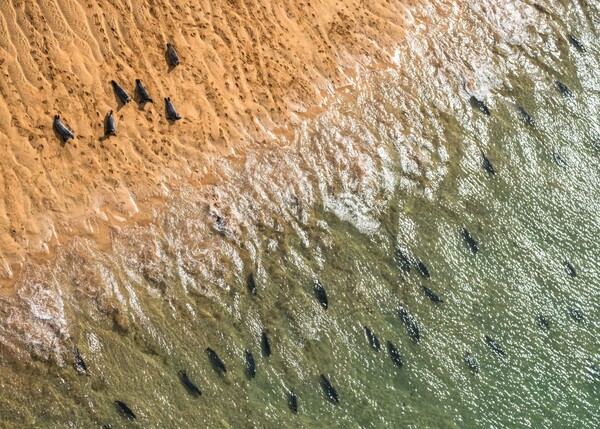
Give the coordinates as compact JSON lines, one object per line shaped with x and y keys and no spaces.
{"x":394,"y":164}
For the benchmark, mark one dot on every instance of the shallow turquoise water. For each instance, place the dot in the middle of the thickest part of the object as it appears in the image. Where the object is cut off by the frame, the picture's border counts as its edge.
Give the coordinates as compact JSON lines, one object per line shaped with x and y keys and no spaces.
{"x":394,"y":163}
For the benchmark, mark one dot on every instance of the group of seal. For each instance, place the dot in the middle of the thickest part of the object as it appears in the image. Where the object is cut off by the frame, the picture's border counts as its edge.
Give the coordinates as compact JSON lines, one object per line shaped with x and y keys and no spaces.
{"x":110,"y":126}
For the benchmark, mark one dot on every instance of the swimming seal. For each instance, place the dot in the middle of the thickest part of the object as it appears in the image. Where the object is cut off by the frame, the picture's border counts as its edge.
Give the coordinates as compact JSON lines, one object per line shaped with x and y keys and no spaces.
{"x":144,"y":97}
{"x":410,"y":324}
{"x":563,"y":89}
{"x":329,"y":390}
{"x":526,"y":117}
{"x":543,"y":321}
{"x":372,"y":338}
{"x":189,"y":384}
{"x":123,"y":96}
{"x":78,"y":362}
{"x":471,"y":363}
{"x":577,"y":315}
{"x":265,"y":345}
{"x":432,"y":295}
{"x":61,"y":129}
{"x":215,"y":360}
{"x":171,"y":112}
{"x":110,"y":128}
{"x":293,"y":401}
{"x":423,"y":270}
{"x":570,"y":268}
{"x":321,"y":294}
{"x":575,"y":42}
{"x":496,"y":348}
{"x":559,"y":160}
{"x":250,"y":365}
{"x":487,"y":165}
{"x":394,"y":355}
{"x":470,"y":241}
{"x":172,"y":55}
{"x":480,"y":104}
{"x":125,"y":410}
{"x":403,"y":260}
{"x":251,"y":284}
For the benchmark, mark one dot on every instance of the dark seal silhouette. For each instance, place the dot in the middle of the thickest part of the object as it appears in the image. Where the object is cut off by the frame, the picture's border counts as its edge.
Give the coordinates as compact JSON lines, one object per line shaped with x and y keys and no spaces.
{"x":125,"y":410}
{"x":172,"y":55}
{"x":559,"y":160}
{"x":423,"y":270}
{"x":215,"y":360}
{"x":543,"y":321}
{"x":78,"y":361}
{"x":487,"y":165}
{"x":265,"y":344}
{"x":470,"y":241}
{"x":526,"y":117}
{"x":189,"y":384}
{"x":403,"y":260}
{"x":330,"y":392}
{"x":394,"y":355}
{"x":61,"y":129}
{"x":110,"y":127}
{"x":575,"y":42}
{"x":143,"y":95}
{"x":563,"y":89}
{"x":577,"y":315}
{"x":479,"y":104}
{"x":321,"y":294}
{"x":570,"y":268}
{"x":171,"y":112}
{"x":410,"y":324}
{"x":471,"y":363}
{"x":293,"y":401}
{"x":432,"y":295}
{"x":372,"y":338}
{"x":251,"y":284}
{"x":496,"y":348}
{"x":250,"y":365}
{"x":121,"y":93}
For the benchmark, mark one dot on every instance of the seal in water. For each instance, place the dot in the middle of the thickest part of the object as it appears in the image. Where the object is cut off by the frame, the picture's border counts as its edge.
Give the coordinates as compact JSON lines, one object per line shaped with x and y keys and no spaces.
{"x":250,"y":365}
{"x":372,"y":338}
{"x":265,"y":345}
{"x":403,"y":260}
{"x":487,"y":165}
{"x":543,"y":321}
{"x":321,"y":294}
{"x":431,"y":295}
{"x":251,"y":284}
{"x":471,"y":363}
{"x":78,"y":362}
{"x":410,"y":324}
{"x":480,"y":104}
{"x":570,"y":268}
{"x":526,"y":117}
{"x":123,"y":96}
{"x":171,"y":112}
{"x":293,"y":401}
{"x":189,"y":384}
{"x":470,"y":241}
{"x":394,"y":354}
{"x":422,"y":269}
{"x":172,"y":55}
{"x":577,"y":315}
{"x":144,"y":97}
{"x":61,"y":129}
{"x":110,"y":128}
{"x":125,"y":410}
{"x":215,"y":360}
{"x":496,"y":348}
{"x":575,"y":42}
{"x":559,"y":160}
{"x":563,"y":89}
{"x":329,"y":390}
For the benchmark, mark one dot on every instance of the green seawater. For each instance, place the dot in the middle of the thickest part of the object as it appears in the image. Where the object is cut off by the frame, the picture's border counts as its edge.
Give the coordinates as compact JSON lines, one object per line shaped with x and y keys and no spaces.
{"x":394,"y":163}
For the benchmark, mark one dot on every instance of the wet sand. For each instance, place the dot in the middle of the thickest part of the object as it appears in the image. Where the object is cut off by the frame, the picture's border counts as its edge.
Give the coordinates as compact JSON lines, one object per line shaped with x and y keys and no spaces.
{"x":248,"y":70}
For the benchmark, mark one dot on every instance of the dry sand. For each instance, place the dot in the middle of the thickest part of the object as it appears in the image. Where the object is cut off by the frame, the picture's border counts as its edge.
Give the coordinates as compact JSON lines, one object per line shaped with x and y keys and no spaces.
{"x":249,"y":69}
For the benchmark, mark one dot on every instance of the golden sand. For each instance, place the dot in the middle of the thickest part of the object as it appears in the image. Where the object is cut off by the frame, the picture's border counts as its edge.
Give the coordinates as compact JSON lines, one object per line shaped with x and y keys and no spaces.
{"x":249,"y":68}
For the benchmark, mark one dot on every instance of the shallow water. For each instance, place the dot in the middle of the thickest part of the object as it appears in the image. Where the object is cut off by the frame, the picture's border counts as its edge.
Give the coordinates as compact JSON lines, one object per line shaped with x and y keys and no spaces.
{"x":393,"y":163}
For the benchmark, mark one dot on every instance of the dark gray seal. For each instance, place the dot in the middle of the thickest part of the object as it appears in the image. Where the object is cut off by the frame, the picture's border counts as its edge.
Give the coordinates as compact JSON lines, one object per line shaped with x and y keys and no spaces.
{"x":575,"y":42}
{"x":570,"y":268}
{"x":563,"y":89}
{"x":410,"y":324}
{"x":251,"y":284}
{"x":559,"y":160}
{"x":471,"y":363}
{"x":487,"y":165}
{"x":78,"y":362}
{"x":432,"y":295}
{"x":189,"y":385}
{"x":171,"y":112}
{"x":121,"y":93}
{"x":250,"y":365}
{"x":394,"y":355}
{"x":143,"y":95}
{"x":215,"y":360}
{"x":293,"y":401}
{"x":496,"y":348}
{"x":330,"y":392}
{"x":110,"y":127}
{"x":321,"y":294}
{"x":172,"y":55}
{"x":403,"y":260}
{"x":423,"y":270}
{"x":265,"y":345}
{"x":526,"y":117}
{"x":479,"y":104}
{"x":372,"y":338}
{"x":61,"y":129}
{"x":125,"y":410}
{"x":470,"y":241}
